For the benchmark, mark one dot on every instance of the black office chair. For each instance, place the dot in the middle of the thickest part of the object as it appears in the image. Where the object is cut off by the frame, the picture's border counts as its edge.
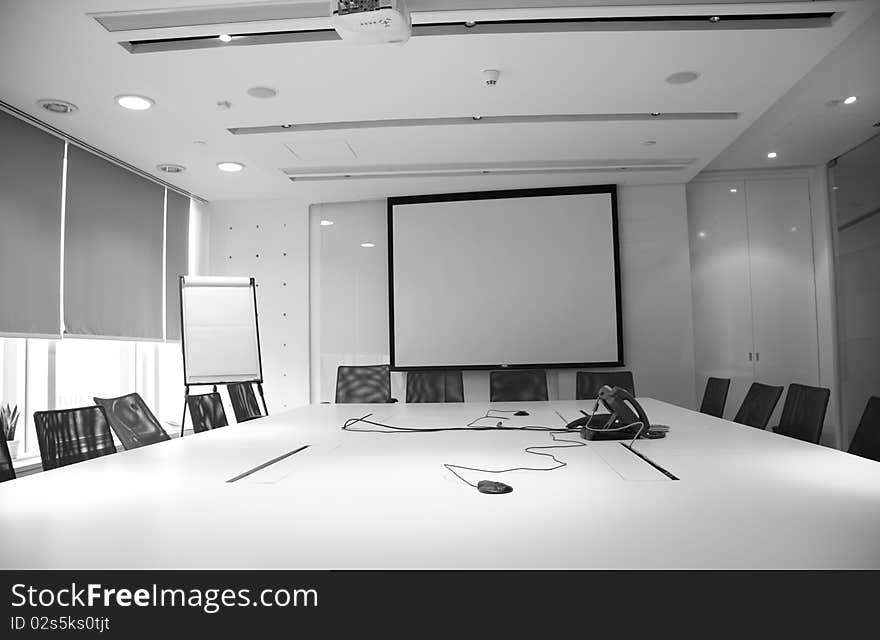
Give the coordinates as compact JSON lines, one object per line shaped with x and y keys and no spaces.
{"x":588,"y":383}
{"x":206,"y":411}
{"x":363,"y":384}
{"x":715,"y":397}
{"x":866,"y":442}
{"x":516,"y":385}
{"x":803,"y":413}
{"x":7,"y":472}
{"x":244,"y":401}
{"x":132,"y":421}
{"x":73,"y":435}
{"x":758,"y":405}
{"x":434,"y":386}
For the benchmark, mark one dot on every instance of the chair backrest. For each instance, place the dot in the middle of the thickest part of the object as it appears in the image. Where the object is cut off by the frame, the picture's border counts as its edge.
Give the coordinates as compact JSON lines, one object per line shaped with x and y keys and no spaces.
{"x":866,"y":442}
{"x":7,"y":472}
{"x":434,"y":386}
{"x":206,"y":411}
{"x":244,"y":401}
{"x":132,"y":421}
{"x":73,"y":435}
{"x":367,"y":384}
{"x":518,"y":385}
{"x":589,"y":382}
{"x":715,"y":397}
{"x":803,"y":413}
{"x":758,"y":405}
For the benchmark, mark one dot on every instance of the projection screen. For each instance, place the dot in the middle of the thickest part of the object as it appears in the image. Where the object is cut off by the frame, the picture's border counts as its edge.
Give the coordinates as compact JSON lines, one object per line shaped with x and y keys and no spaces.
{"x":505,"y":278}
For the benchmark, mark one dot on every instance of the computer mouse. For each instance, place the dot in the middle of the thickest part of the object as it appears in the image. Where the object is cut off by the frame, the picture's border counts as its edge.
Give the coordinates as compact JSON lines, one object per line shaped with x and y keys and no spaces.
{"x":490,"y":486}
{"x":521,"y":413}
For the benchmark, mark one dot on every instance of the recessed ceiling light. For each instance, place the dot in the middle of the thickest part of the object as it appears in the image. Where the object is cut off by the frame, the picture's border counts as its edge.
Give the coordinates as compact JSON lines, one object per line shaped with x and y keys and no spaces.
{"x":835,"y":188}
{"x":649,"y":143}
{"x":470,"y":24}
{"x":225,"y":37}
{"x":229,"y":166}
{"x":702,"y":234}
{"x":367,"y":245}
{"x":171,"y":168}
{"x":733,"y":191}
{"x":61,"y":107}
{"x":478,"y":117}
{"x":850,"y":100}
{"x":793,"y":229}
{"x":134,"y":102}
{"x":286,"y":126}
{"x":715,"y":19}
{"x":771,"y":155}
{"x":655,"y":113}
{"x":682,"y":77}
{"x":326,"y":223}
{"x":262,"y":92}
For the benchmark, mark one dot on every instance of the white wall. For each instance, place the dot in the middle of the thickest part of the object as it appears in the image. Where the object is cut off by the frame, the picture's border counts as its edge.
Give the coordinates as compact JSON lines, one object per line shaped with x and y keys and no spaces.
{"x":350,"y":296}
{"x":269,"y":240}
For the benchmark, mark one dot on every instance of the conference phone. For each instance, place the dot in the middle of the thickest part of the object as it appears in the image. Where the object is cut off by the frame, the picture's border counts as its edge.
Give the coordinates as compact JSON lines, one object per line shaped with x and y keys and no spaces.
{"x":626,"y":418}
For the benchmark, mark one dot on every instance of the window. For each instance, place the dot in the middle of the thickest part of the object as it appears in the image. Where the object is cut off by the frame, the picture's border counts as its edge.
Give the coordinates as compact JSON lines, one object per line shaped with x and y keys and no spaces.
{"x":39,"y":375}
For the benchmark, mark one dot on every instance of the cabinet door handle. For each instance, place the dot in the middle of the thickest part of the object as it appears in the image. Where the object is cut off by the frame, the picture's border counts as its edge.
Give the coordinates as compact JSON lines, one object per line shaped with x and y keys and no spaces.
{"x":750,"y":356}
{"x":757,"y":356}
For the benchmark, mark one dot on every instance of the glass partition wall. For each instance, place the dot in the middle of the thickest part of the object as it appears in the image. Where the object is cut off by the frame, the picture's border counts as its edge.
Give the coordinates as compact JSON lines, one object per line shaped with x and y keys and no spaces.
{"x":855,"y":199}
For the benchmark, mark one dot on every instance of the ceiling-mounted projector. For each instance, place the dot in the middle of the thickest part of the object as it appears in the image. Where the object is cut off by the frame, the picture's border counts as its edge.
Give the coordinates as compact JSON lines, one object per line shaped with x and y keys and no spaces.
{"x":372,"y":21}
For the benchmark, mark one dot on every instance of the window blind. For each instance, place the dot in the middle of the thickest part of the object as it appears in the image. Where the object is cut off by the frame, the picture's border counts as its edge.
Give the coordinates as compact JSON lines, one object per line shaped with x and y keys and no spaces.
{"x":176,"y":259}
{"x":31,"y":171}
{"x":113,"y":244}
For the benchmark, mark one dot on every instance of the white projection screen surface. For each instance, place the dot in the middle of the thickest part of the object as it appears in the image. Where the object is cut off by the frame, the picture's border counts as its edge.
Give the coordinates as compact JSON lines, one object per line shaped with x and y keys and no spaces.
{"x":220,"y":336}
{"x":506,"y":278}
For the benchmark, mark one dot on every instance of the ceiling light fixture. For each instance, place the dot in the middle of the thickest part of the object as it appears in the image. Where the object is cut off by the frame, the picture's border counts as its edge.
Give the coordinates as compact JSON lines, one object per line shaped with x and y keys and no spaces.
{"x":682,"y":77}
{"x":771,"y":155}
{"x":655,"y":113}
{"x":171,"y":168}
{"x":702,"y":234}
{"x":262,"y":92}
{"x":850,"y":100}
{"x":61,"y":107}
{"x":478,"y":117}
{"x":714,"y":19}
{"x":229,"y":166}
{"x":733,"y":191}
{"x":134,"y":102}
{"x":286,"y":126}
{"x":326,"y":223}
{"x":225,"y":37}
{"x":470,"y":24}
{"x":367,"y":245}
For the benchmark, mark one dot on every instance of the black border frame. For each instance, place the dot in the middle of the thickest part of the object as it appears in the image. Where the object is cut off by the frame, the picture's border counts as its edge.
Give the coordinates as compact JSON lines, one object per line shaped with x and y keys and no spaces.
{"x":610,"y":189}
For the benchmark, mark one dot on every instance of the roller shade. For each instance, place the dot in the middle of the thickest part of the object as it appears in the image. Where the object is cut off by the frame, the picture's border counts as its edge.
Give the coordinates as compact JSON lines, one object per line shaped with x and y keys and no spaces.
{"x":176,"y":259}
{"x":31,"y":170}
{"x":113,"y":245}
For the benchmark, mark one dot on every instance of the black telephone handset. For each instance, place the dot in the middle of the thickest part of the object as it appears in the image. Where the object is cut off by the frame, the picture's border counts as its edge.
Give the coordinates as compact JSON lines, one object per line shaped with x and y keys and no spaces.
{"x":624,"y":410}
{"x":622,"y":404}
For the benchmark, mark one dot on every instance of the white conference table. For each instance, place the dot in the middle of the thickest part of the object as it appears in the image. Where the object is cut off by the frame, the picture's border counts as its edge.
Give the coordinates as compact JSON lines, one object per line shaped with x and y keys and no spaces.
{"x":745,"y":498}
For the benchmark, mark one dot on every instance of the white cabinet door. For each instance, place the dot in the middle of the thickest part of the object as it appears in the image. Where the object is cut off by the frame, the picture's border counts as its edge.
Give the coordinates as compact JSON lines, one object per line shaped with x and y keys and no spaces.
{"x":783,"y":282}
{"x":721,"y":293}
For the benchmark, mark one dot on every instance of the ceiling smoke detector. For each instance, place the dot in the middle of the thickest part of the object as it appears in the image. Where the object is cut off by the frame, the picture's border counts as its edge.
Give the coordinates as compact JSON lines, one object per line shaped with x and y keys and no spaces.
{"x":490,"y":77}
